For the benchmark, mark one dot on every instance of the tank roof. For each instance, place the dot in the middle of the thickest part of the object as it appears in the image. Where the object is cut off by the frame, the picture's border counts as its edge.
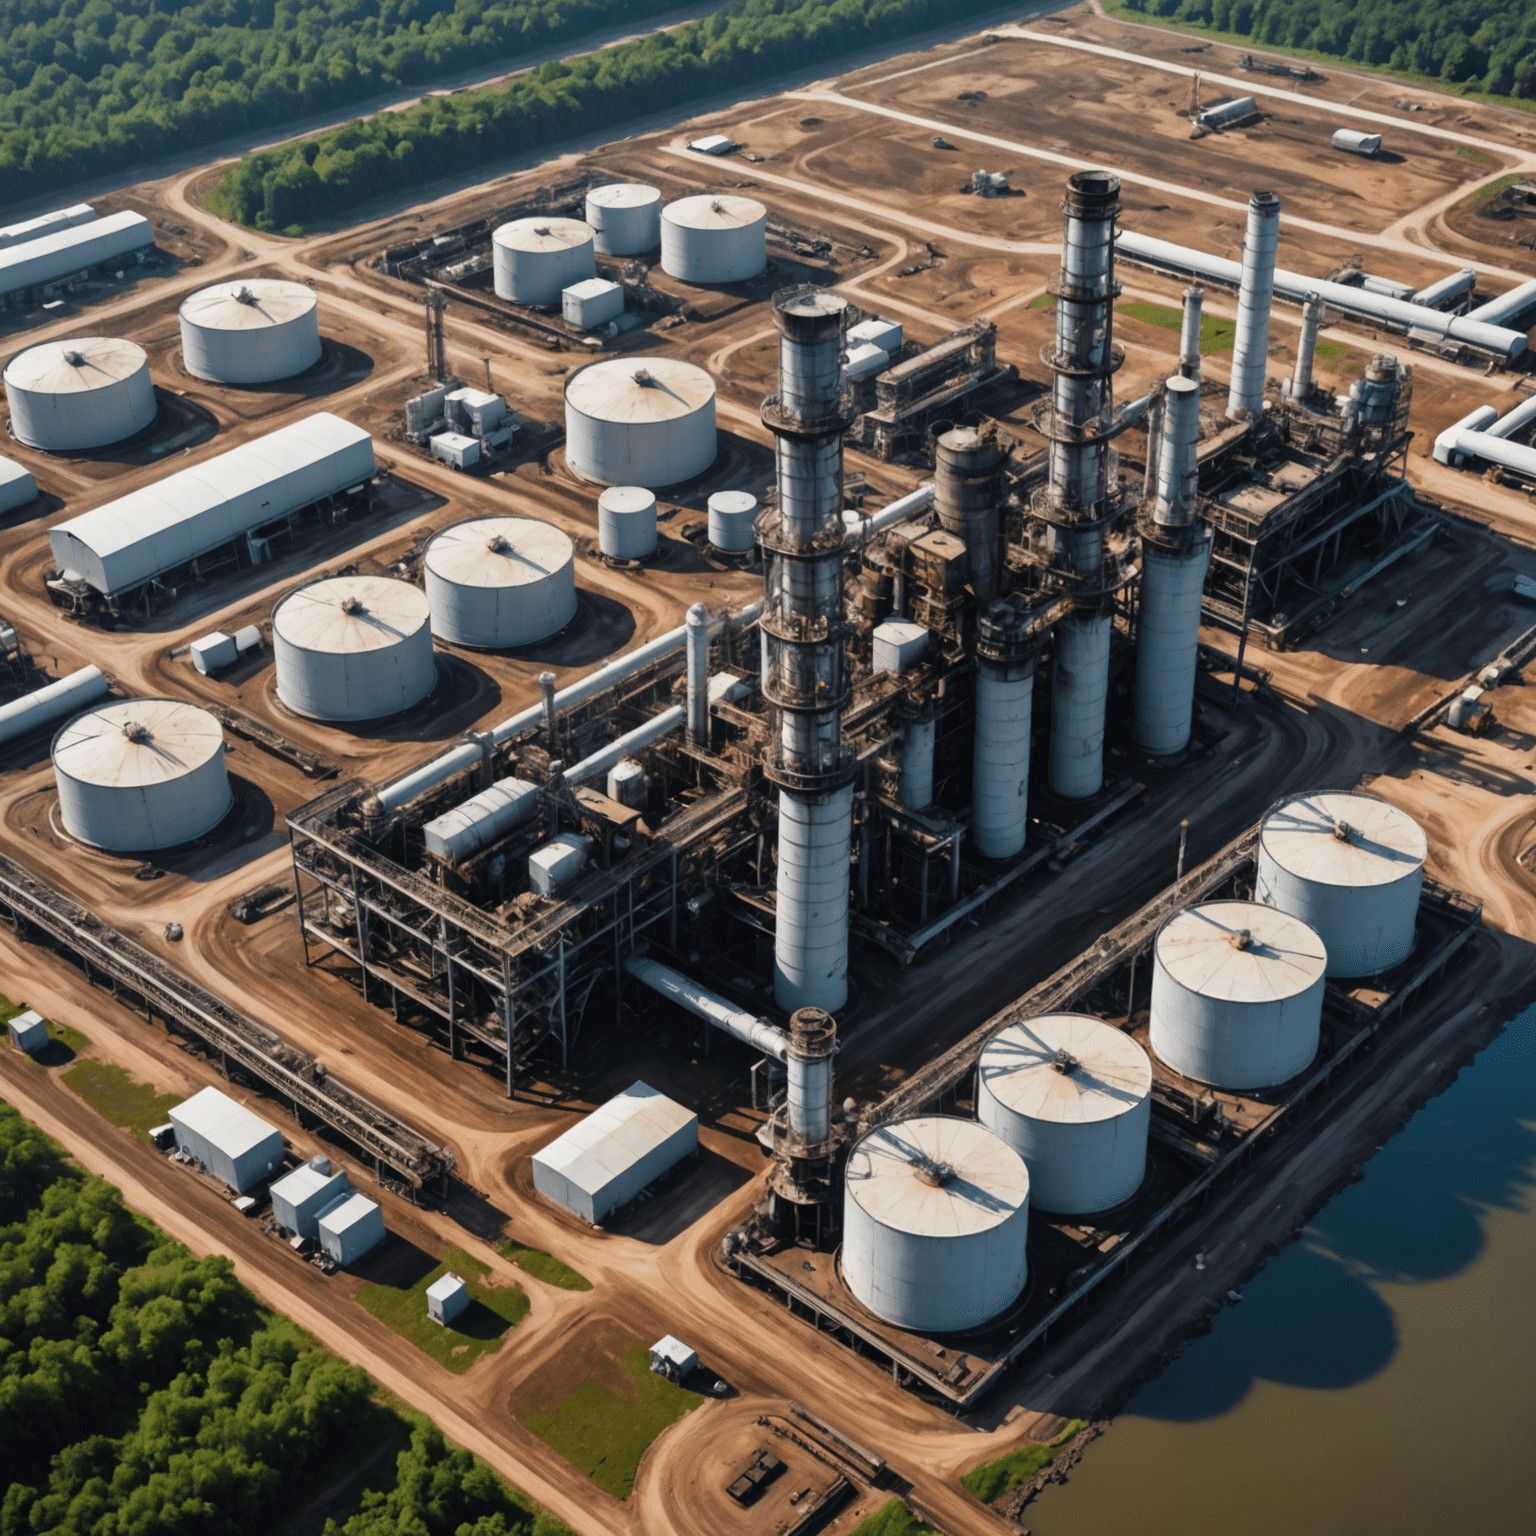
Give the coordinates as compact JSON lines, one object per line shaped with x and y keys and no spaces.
{"x":627,"y":498}
{"x":543,"y":234}
{"x":75,"y":366}
{"x":130,"y":743}
{"x":624,"y":194}
{"x":1343,"y":838}
{"x":344,"y":615}
{"x":1203,"y":949}
{"x":936,"y":1176}
{"x":639,"y":389}
{"x":715,"y":210}
{"x":248,"y":304}
{"x":1068,"y":1068}
{"x":498,"y":552}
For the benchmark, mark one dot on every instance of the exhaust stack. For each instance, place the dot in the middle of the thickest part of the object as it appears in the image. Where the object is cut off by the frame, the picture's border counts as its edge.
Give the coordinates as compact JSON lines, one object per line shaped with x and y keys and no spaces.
{"x":1306,"y":348}
{"x":1189,"y":336}
{"x":1250,"y":352}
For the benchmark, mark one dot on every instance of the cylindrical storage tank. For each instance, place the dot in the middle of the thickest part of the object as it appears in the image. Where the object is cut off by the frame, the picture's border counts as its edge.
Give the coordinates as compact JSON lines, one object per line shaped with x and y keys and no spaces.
{"x":1351,"y":867}
{"x":714,"y":238}
{"x":935,"y":1221}
{"x":1237,"y":994}
{"x":83,"y":393}
{"x":1079,"y":697}
{"x":731,"y":516}
{"x":646,"y":421}
{"x":914,"y":786}
{"x":533,"y":259}
{"x":625,"y":218}
{"x":250,"y":331}
{"x":353,"y":648}
{"x":626,"y":522}
{"x":499,"y":581}
{"x":1072,"y":1096}
{"x":141,"y":774}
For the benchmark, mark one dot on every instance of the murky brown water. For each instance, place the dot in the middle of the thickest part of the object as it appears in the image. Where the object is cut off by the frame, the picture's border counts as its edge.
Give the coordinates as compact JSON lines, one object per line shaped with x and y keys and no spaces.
{"x":1379,"y":1377}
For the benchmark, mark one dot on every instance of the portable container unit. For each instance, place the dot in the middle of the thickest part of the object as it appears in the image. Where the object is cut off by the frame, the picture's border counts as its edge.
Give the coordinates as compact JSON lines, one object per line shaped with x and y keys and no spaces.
{"x":671,"y":1358}
{"x":885,"y":334}
{"x":227,"y":1139}
{"x":195,"y":511}
{"x":625,"y":217}
{"x":82,"y":393}
{"x":896,"y":645}
{"x":935,"y":1221}
{"x":455,"y":449}
{"x":299,"y":1197}
{"x":250,"y":331}
{"x":29,"y":1031}
{"x":477,"y":411}
{"x":1072,"y":1096}
{"x":447,"y":1297}
{"x":46,"y":224}
{"x":592,"y":303}
{"x":498,"y":581}
{"x":138,"y":774}
{"x":1237,"y":994}
{"x":212,"y":652}
{"x":646,"y":421}
{"x":62,"y":253}
{"x":1226,"y":112}
{"x":719,"y":238}
{"x":535,"y":259}
{"x":351,"y":1227}
{"x":731,"y":518}
{"x":1351,"y":867}
{"x":609,"y":1157}
{"x":353,"y":648}
{"x":557,"y":863}
{"x":865,"y":360}
{"x":483,"y":819}
{"x":626,"y":522}
{"x":17,"y":487}
{"x":1353,"y":142}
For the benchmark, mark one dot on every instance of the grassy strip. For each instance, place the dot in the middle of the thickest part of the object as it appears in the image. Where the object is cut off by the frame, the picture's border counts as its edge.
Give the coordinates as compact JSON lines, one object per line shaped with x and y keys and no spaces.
{"x":605,"y":1425}
{"x":992,"y":1479}
{"x":493,"y":1311}
{"x":1216,"y":335}
{"x":544,"y":1266}
{"x":116,"y":1097}
{"x":893,"y":1519}
{"x":64,"y":1043}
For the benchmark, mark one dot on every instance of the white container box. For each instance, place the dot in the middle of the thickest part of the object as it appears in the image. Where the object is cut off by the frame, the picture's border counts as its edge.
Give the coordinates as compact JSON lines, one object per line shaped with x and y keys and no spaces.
{"x":885,"y":334}
{"x":214,"y":651}
{"x":446,"y":1298}
{"x":299,"y":1197}
{"x":227,"y":1139}
{"x":455,"y":449}
{"x":557,"y":863}
{"x":593,"y":302}
{"x":898,"y":644}
{"x":349,"y":1228}
{"x":29,"y":1032}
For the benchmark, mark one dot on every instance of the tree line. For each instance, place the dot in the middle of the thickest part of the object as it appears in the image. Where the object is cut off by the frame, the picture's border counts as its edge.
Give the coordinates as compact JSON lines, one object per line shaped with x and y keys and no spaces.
{"x":1481,"y":45}
{"x":144,"y":1393}
{"x":738,"y":47}
{"x":92,"y":86}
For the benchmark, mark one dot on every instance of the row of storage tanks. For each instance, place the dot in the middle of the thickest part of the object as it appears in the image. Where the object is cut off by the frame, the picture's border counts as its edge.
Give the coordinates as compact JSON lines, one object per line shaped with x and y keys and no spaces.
{"x":936,"y":1209}
{"x":91,"y":391}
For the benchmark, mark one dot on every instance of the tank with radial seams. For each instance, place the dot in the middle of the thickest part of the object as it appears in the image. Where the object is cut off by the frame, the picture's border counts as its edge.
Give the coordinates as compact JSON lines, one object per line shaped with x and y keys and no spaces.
{"x":250,"y":331}
{"x":499,"y":581}
{"x":718,"y":238}
{"x":646,"y":421}
{"x":535,"y":259}
{"x":625,"y":217}
{"x":82,"y":393}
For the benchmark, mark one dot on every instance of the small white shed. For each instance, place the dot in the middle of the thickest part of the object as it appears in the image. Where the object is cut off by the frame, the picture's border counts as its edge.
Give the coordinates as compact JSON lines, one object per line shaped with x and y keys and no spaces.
{"x":671,"y":1358}
{"x":349,"y":1228}
{"x":299,"y":1197}
{"x":29,"y":1032}
{"x":446,"y":1298}
{"x":227,"y":1139}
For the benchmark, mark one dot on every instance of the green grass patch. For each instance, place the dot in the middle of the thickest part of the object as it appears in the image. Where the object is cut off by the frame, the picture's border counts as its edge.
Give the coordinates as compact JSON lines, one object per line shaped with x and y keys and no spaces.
{"x":604,"y":1426}
{"x":493,"y":1311}
{"x":1488,"y":193}
{"x":64,"y":1043}
{"x":992,"y":1479}
{"x":1476,"y":156}
{"x":1042,"y":301}
{"x":544,"y":1266}
{"x":893,"y":1518}
{"x":115,"y":1096}
{"x":1216,"y":335}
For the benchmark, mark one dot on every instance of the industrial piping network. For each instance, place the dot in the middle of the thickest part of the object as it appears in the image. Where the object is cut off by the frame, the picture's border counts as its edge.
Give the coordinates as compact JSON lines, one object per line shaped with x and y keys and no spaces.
{"x":1484,"y":434}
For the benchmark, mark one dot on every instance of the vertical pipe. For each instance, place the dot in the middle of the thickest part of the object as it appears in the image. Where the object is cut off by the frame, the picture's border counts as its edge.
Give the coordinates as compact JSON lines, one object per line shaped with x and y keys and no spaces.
{"x":1306,"y":348}
{"x":810,"y":942}
{"x":698,"y":674}
{"x":915,"y":786}
{"x":551,"y":715}
{"x":1079,"y":696}
{"x":1005,"y":692}
{"x":1250,"y":351}
{"x":1178,"y":456}
{"x":1189,"y":336}
{"x":1154,"y":445}
{"x":812,"y":1041}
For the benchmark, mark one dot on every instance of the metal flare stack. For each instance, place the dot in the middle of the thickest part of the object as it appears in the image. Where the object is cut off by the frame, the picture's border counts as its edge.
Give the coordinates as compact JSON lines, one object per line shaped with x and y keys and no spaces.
{"x":1250,"y":348}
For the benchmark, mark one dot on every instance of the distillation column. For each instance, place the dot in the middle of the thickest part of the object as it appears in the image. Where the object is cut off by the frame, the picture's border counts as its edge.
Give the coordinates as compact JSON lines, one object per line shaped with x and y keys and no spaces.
{"x":1082,"y":496}
{"x":805,"y":668}
{"x":965,"y":485}
{"x":1189,"y":335}
{"x":1250,"y":348}
{"x":1175,"y":551}
{"x":1005,"y":694}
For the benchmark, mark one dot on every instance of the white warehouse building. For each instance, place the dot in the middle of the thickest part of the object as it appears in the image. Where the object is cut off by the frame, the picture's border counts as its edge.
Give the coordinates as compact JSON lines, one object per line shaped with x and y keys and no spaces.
{"x":118,"y":547}
{"x":62,"y":253}
{"x":46,"y":224}
{"x":227,"y":1139}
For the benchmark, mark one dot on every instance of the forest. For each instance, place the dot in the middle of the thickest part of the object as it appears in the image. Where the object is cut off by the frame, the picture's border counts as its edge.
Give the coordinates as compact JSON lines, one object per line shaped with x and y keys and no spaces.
{"x":144,"y":1393}
{"x":1475,"y":45}
{"x":93,"y":86}
{"x":736,"y":48}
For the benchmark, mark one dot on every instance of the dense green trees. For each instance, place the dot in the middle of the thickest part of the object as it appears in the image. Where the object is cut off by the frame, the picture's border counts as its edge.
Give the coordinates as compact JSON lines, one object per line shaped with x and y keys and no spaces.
{"x":1486,"y":45}
{"x":736,"y":48}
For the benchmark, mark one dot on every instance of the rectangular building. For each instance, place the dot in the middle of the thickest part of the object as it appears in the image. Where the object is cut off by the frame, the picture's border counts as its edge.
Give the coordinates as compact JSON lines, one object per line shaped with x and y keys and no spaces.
{"x":349,"y":1227}
{"x":446,"y":1298}
{"x":29,"y":1032}
{"x":227,"y":1139}
{"x":605,"y":1160}
{"x":46,"y":224}
{"x":299,"y":1197}
{"x":62,"y":253}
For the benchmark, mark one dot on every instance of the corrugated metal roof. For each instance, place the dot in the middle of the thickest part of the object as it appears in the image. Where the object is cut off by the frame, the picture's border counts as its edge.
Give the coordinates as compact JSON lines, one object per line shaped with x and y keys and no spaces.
{"x":1375,"y":844}
{"x":305,"y":1180}
{"x":248,"y":304}
{"x":343,"y":615}
{"x":633,"y":389}
{"x":75,"y":366}
{"x":1200,"y":949}
{"x":46,"y":224}
{"x":135,"y":742}
{"x":1110,"y":1076}
{"x":64,"y":251}
{"x":616,"y":1136}
{"x":217,"y":1118}
{"x":720,"y":210}
{"x":539,"y":234}
{"x":624,"y":194}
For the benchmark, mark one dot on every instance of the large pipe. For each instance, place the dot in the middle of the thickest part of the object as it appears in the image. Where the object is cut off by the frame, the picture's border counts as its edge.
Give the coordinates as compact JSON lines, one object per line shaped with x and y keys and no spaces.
{"x":52,"y":702}
{"x":1508,"y":306}
{"x":1447,"y":449}
{"x":1510,"y":423}
{"x":710,"y":1006}
{"x":1178,"y":454}
{"x":626,"y":746}
{"x":1005,"y":693}
{"x":1306,"y":348}
{"x":697,"y":626}
{"x":1079,"y":698}
{"x":914,"y":785}
{"x":857,"y":526}
{"x":1447,"y":288}
{"x":1250,"y":349}
{"x":1499,"y":450}
{"x":1189,"y":334}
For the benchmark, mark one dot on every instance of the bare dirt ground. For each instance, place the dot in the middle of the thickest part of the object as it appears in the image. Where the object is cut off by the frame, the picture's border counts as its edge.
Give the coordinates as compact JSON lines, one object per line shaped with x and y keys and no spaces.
{"x":867,"y":174}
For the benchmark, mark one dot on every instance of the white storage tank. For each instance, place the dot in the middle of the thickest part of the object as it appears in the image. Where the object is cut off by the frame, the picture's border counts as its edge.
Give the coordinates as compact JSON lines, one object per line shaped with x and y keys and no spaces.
{"x":1237,"y":994}
{"x":625,"y":217}
{"x":353,"y":648}
{"x":626,"y":522}
{"x":1072,"y":1096}
{"x":499,"y":581}
{"x":82,"y":393}
{"x":1351,"y":867}
{"x":534,"y":259}
{"x":640,"y":421}
{"x":935,"y":1221}
{"x":714,"y":238}
{"x":250,"y":331}
{"x":731,"y":518}
{"x":138,"y":774}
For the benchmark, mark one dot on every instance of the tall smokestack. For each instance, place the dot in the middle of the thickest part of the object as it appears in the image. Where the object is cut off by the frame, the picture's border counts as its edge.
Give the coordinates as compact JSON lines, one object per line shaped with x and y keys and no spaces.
{"x":966,"y":466}
{"x":1250,"y":352}
{"x":1005,"y":694}
{"x":805,"y":670}
{"x":1306,"y":348}
{"x":1189,"y":336}
{"x":697,"y":639}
